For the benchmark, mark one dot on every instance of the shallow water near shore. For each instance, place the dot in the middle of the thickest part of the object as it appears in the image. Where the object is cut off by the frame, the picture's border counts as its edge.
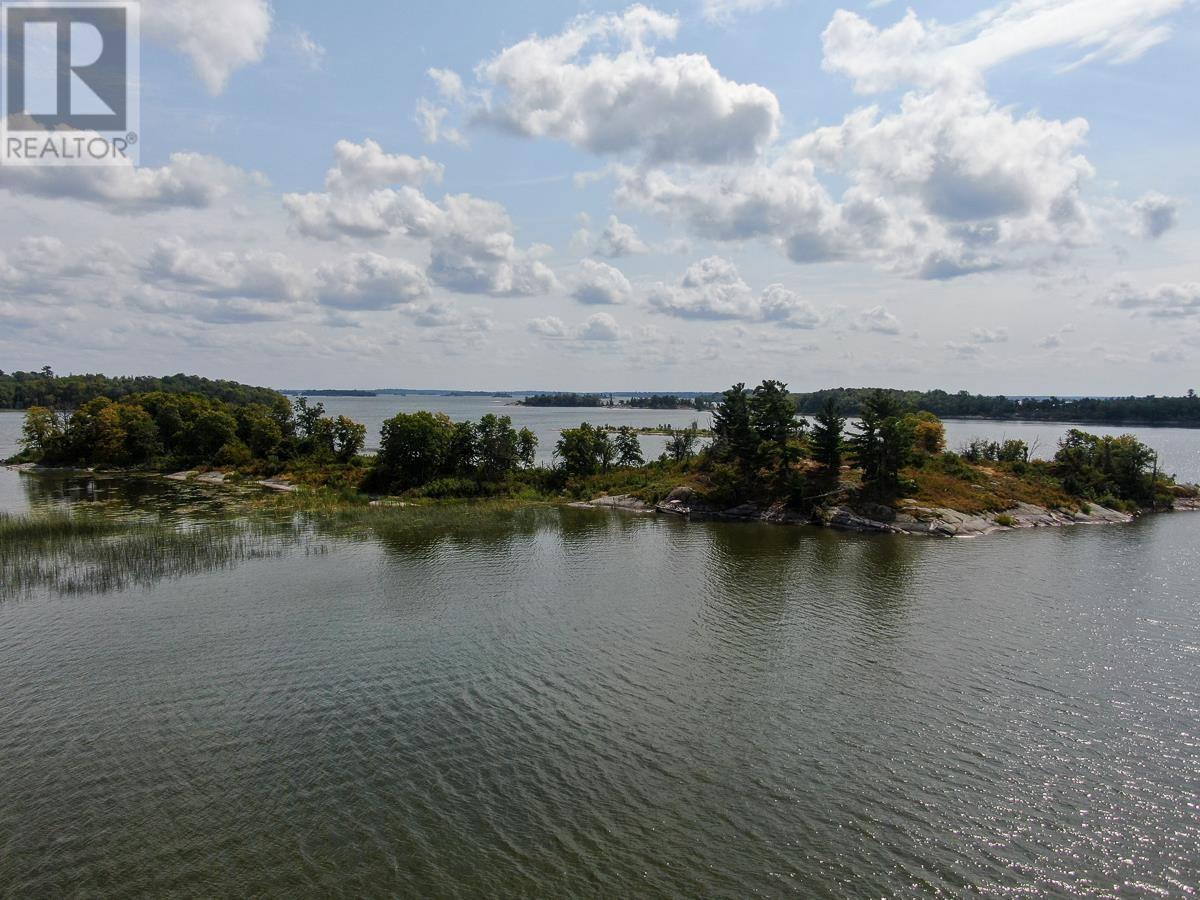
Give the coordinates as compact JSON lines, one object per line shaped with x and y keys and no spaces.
{"x":463,"y":702}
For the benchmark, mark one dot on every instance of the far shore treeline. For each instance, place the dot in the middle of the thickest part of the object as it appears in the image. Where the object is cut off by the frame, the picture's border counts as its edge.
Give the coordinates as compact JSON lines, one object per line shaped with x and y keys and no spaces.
{"x":759,"y":451}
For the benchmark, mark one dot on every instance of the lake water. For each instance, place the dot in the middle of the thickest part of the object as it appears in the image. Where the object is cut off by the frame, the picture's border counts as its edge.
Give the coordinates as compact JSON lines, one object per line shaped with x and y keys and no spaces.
{"x":566,"y":703}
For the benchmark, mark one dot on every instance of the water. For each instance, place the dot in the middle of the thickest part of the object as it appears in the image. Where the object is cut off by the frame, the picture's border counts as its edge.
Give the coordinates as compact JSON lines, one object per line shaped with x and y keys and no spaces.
{"x":555,"y":702}
{"x":551,"y":702}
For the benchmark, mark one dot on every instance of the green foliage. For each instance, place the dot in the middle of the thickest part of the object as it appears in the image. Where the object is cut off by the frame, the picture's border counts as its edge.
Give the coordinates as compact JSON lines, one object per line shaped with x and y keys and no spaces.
{"x":827,"y":436}
{"x":23,"y":390}
{"x":1107,"y":469}
{"x":884,"y":443}
{"x":682,"y":443}
{"x":733,"y":429}
{"x":585,"y":450}
{"x":584,"y":400}
{"x":1150,"y":410}
{"x":173,"y":430}
{"x":629,"y":448}
{"x":421,"y":448}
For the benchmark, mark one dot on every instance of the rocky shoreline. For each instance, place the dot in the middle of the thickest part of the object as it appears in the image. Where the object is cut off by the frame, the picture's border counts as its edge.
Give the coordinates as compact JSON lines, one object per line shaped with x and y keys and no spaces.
{"x":908,"y":517}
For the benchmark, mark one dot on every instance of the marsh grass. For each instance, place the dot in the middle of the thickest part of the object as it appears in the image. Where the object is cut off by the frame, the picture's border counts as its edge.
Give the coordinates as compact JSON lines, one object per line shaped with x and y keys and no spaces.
{"x":85,"y":553}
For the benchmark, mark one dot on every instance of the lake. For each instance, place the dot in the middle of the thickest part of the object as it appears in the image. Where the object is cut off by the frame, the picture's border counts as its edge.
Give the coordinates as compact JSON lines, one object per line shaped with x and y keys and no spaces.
{"x":567,"y":703}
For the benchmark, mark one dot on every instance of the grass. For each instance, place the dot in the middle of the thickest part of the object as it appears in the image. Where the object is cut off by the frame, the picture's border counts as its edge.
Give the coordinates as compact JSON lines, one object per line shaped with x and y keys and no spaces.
{"x":80,"y":553}
{"x":986,"y":489}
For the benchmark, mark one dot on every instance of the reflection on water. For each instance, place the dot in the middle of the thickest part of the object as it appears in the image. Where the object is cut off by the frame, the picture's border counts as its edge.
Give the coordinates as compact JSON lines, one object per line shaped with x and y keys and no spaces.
{"x":557,"y":702}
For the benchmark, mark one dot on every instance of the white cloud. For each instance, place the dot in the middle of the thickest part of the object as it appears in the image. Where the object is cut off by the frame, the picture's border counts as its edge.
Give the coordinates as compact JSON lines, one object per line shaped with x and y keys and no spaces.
{"x":1050,"y":342}
{"x":600,"y":327}
{"x":549,"y":326}
{"x":619,"y":239}
{"x":1166,"y":301}
{"x":449,"y":84}
{"x":188,"y":180}
{"x":778,"y":304}
{"x":311,"y":52}
{"x":630,"y":100}
{"x":246,"y":275}
{"x":877,"y":319}
{"x":713,"y":289}
{"x":472,"y":245}
{"x":219,"y":36}
{"x":599,"y":284}
{"x":930,"y":54}
{"x":431,"y":119}
{"x":990,"y":335}
{"x":365,"y":166}
{"x":369,"y":281}
{"x":1156,"y":215}
{"x":726,"y":10}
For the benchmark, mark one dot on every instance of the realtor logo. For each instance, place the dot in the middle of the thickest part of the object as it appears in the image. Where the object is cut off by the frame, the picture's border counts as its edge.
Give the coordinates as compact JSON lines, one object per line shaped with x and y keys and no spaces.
{"x":70,"y":83}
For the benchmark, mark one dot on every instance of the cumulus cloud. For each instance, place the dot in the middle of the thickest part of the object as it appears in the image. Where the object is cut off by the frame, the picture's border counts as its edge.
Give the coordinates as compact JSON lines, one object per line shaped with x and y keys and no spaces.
{"x":601,"y":86}
{"x":600,"y":327}
{"x":473,"y":249}
{"x":189,"y":180}
{"x":1166,"y":301}
{"x":1156,"y":214}
{"x":364,"y":166}
{"x":778,"y":304}
{"x":219,"y":36}
{"x":990,"y":335}
{"x":548,"y":326}
{"x":1050,"y":342}
{"x":877,"y":319}
{"x":619,"y":239}
{"x":712,"y":289}
{"x":253,"y":275}
{"x":599,"y":284}
{"x":369,"y":281}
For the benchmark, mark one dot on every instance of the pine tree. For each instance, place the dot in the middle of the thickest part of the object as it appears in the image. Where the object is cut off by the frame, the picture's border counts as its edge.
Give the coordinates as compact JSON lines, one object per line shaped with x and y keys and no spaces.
{"x":827,"y":436}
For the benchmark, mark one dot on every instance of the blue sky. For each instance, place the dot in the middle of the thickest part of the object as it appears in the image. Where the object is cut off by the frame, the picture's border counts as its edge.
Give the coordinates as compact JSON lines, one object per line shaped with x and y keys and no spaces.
{"x":996,"y":196}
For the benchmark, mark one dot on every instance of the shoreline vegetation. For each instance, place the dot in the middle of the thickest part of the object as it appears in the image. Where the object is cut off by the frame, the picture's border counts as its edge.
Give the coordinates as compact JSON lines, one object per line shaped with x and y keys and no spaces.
{"x":889,"y":471}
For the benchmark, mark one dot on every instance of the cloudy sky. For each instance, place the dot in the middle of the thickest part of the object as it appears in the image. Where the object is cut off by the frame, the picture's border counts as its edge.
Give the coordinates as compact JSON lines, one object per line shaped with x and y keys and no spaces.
{"x":1001,"y":197}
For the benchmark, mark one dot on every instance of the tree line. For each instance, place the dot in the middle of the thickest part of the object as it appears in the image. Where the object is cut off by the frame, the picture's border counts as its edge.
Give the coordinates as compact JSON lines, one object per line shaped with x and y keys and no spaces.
{"x":1114,"y":410}
{"x":762,"y":450}
{"x":23,"y":390}
{"x":165,"y":430}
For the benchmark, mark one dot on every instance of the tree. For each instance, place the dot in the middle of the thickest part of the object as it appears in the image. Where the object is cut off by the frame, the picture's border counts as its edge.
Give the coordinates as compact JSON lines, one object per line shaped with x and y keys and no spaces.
{"x":41,"y":434}
{"x":585,"y":450}
{"x":348,"y":438}
{"x":499,"y":447}
{"x":681,"y":445}
{"x":527,"y":443}
{"x":929,"y":434}
{"x":884,"y":442}
{"x":773,"y":417}
{"x":629,"y":448}
{"x":827,"y":439}
{"x":733,"y":430}
{"x":414,"y":449}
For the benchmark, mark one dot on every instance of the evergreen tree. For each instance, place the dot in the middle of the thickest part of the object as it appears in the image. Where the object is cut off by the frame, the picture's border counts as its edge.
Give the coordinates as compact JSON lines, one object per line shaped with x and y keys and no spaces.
{"x":827,"y":436}
{"x":884,"y":443}
{"x":733,"y":429}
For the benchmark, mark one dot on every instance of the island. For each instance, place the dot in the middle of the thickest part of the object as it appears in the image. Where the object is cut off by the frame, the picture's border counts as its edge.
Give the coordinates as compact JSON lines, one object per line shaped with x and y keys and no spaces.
{"x":889,"y":471}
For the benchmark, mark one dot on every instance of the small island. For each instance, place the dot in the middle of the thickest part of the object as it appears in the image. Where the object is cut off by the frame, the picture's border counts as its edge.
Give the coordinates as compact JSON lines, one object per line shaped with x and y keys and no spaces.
{"x":889,"y":471}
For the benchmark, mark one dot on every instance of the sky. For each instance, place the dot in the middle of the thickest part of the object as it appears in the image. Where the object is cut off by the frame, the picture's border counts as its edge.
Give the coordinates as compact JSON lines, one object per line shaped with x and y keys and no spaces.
{"x":998,"y":197}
